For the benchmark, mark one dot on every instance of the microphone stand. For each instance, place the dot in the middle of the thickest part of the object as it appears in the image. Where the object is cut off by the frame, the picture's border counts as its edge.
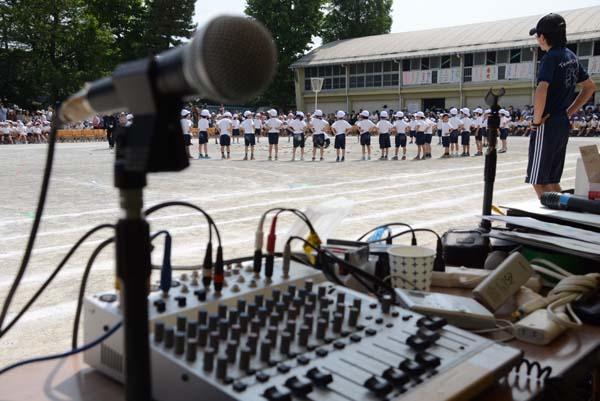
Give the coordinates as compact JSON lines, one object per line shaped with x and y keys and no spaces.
{"x":491,"y":157}
{"x":153,"y":143}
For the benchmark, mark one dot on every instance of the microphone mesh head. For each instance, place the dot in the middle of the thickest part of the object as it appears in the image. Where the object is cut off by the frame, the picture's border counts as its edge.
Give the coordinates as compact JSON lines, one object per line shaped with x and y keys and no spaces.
{"x":239,"y":58}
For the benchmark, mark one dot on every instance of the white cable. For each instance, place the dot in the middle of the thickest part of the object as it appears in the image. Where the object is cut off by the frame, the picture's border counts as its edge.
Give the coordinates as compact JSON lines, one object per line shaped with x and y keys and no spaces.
{"x":569,"y":288}
{"x":509,"y":326}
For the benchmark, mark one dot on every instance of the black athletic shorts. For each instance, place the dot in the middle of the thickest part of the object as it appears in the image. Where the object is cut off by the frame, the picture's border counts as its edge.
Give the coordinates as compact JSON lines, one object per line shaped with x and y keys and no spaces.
{"x":384,"y":141}
{"x":318,"y":140}
{"x":465,"y":138}
{"x":236,"y":132}
{"x":439,"y":132}
{"x":340,"y":141}
{"x":249,"y":140}
{"x":428,"y":138}
{"x":482,"y":133}
{"x":187,"y":139}
{"x":257,"y":132}
{"x":503,"y":133}
{"x":401,"y":140}
{"x":412,"y":134}
{"x":454,"y":136}
{"x":299,"y":140}
{"x":420,"y":138}
{"x":365,"y":139}
{"x":273,"y":138}
{"x":547,"y":150}
{"x":446,"y":141}
{"x":203,"y":137}
{"x":225,"y":140}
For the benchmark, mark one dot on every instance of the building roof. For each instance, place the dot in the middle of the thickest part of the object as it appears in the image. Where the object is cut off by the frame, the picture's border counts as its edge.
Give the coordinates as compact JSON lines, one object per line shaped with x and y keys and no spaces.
{"x":582,"y":24}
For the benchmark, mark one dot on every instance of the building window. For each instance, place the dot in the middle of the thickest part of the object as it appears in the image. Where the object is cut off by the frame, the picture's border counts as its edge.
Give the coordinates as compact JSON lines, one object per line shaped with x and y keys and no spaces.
{"x":515,"y":56}
{"x":405,"y":65}
{"x":307,"y":85}
{"x":446,"y":61}
{"x":434,"y":76}
{"x":585,"y":49}
{"x":425,"y":63}
{"x":501,"y":72}
{"x":307,"y":72}
{"x":469,"y":60}
{"x":455,"y":61}
{"x":490,"y":58}
{"x":334,"y":76}
{"x":434,"y":62}
{"x":479,"y":58}
{"x":597,"y":48}
{"x":502,"y":56}
{"x":415,"y":64}
{"x":585,"y":62}
{"x":390,"y":80}
{"x":468,"y":74}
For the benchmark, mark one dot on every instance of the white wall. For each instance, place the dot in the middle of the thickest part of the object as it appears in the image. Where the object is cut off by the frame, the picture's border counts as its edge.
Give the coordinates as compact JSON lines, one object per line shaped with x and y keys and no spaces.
{"x":326,"y":107}
{"x":373,"y":105}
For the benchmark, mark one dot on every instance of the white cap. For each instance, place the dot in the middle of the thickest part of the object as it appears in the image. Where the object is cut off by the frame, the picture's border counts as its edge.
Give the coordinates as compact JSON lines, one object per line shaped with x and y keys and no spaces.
{"x":184,"y":112}
{"x":130,"y":116}
{"x":318,"y":113}
{"x":488,"y":111}
{"x":465,"y":111}
{"x":227,"y":114}
{"x":205,"y":113}
{"x":340,"y":114}
{"x":299,"y":113}
{"x":383,"y":114}
{"x":273,"y":113}
{"x":478,"y":110}
{"x":365,"y":113}
{"x":419,"y":114}
{"x":247,"y":113}
{"x":399,"y":114}
{"x":235,"y":116}
{"x":595,"y":117}
{"x":502,"y":111}
{"x":453,"y":111}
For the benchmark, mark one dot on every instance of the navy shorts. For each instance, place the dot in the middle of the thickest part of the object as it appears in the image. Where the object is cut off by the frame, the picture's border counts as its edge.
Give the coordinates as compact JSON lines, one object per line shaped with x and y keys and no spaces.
{"x":503,"y":133}
{"x":465,"y":138}
{"x":340,"y":141}
{"x":225,"y":140}
{"x":420,"y":138}
{"x":482,"y":133}
{"x":547,"y":150}
{"x":236,"y":132}
{"x":446,"y":141}
{"x":273,"y":138}
{"x":257,"y":131}
{"x":318,"y":140}
{"x":479,"y":134}
{"x":299,"y":140}
{"x":428,"y":138}
{"x":401,"y":140}
{"x":454,"y":136}
{"x":203,"y":137}
{"x":365,"y":139}
{"x":249,"y":140}
{"x":412,"y":134}
{"x":186,"y":138}
{"x":439,"y":132}
{"x":384,"y":141}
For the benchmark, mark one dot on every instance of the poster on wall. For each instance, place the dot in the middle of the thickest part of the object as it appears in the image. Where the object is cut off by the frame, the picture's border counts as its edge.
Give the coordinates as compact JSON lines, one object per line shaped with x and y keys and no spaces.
{"x":448,"y":75}
{"x":519,"y":71}
{"x":594,"y":65}
{"x":416,"y":77}
{"x":485,"y":73}
{"x":413,"y":107}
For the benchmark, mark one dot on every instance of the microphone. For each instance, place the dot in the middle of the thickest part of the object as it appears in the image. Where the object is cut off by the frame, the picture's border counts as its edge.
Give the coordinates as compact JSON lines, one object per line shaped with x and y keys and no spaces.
{"x":230,"y":60}
{"x":572,"y":203}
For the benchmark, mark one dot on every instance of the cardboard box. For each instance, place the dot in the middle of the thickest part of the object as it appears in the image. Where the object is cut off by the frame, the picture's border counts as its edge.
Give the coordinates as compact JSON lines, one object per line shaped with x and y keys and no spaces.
{"x":591,"y":163}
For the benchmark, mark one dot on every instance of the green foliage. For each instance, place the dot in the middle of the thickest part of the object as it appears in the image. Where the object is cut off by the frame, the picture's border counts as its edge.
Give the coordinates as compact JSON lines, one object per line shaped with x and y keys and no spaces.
{"x":293,"y":24}
{"x":345,"y":19}
{"x":49,"y":48}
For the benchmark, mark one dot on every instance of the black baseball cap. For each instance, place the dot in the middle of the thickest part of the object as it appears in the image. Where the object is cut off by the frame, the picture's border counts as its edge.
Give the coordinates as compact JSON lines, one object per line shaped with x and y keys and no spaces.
{"x":550,"y":23}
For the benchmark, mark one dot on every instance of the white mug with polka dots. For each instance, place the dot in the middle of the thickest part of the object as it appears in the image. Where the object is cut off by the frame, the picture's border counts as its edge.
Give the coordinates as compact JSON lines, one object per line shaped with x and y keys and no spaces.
{"x":411,"y":267}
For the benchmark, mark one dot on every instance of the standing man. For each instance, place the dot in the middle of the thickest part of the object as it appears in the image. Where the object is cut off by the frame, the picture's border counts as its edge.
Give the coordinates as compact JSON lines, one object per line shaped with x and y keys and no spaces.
{"x":559,"y":73}
{"x":109,"y":123}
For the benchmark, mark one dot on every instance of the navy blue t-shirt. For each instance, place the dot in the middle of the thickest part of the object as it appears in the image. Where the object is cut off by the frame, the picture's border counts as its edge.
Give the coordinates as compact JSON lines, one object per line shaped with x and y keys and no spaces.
{"x":563,"y":71}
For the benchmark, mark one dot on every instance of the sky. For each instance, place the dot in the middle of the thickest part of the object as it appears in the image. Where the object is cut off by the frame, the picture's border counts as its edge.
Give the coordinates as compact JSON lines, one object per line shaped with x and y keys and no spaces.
{"x":435,"y":14}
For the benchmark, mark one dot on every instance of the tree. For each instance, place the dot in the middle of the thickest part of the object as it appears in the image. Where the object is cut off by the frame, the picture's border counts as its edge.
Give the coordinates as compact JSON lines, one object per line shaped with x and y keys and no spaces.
{"x":345,"y":19}
{"x":167,"y":23}
{"x":293,"y":24}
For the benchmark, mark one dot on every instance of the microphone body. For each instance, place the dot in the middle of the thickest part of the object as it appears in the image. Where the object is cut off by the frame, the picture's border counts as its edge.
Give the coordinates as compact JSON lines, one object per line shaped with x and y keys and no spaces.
{"x":573,"y":203}
{"x":201,"y":68}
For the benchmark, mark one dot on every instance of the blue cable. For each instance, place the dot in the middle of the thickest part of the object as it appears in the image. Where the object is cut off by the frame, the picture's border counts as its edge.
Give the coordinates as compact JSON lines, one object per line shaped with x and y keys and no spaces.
{"x":64,"y":354}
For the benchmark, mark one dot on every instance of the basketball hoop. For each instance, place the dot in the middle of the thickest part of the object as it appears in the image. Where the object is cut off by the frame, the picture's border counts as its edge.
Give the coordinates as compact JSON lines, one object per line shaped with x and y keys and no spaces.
{"x":316,"y":85}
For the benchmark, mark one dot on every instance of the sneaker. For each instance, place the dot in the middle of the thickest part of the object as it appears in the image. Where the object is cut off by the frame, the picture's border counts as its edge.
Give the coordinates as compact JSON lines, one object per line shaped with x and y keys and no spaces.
{"x":502,"y":151}
{"x":246,"y":157}
{"x":270,"y":158}
{"x":293,"y":159}
{"x":369,"y":158}
{"x":302,"y":159}
{"x":386,"y":158}
{"x":337,"y":159}
{"x":222,"y":157}
{"x":445,"y":156}
{"x":403,"y":157}
{"x":343,"y":158}
{"x":321,"y":159}
{"x":313,"y":159}
{"x":206,"y":156}
{"x":463,"y":155}
{"x":382,"y":158}
{"x":276,"y":158}
{"x":363,"y":158}
{"x":417,"y":158}
{"x":200,"y":157}
{"x":395,"y":158}
{"x":252,"y":157}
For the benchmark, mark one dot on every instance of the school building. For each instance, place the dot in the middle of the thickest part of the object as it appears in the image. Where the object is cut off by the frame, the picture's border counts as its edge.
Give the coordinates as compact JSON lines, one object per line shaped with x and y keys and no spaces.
{"x":439,"y":68}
